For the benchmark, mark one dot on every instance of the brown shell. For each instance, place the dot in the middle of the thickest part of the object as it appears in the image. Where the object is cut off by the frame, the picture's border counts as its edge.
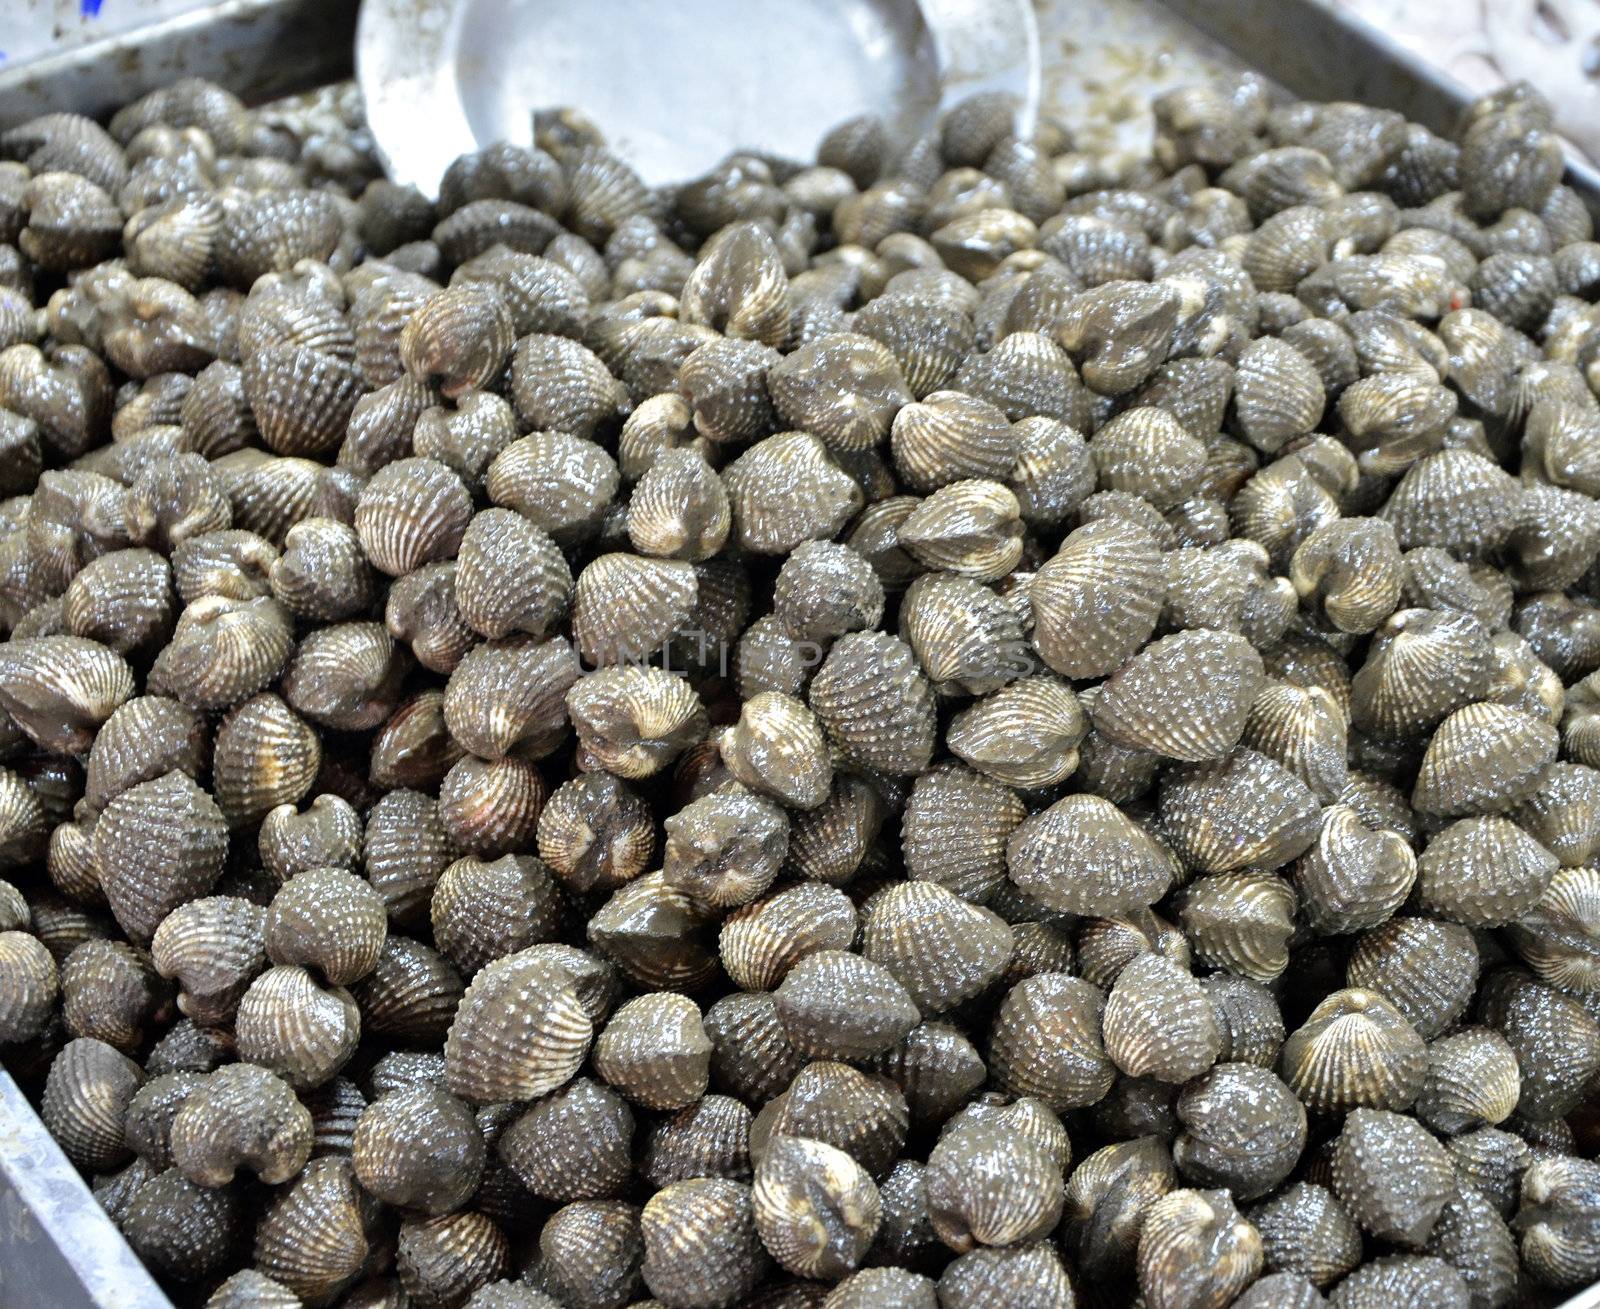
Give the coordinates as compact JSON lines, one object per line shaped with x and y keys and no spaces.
{"x":700,"y":1242}
{"x":1194,"y":1248}
{"x":595,"y":833}
{"x":317,"y":1234}
{"x":875,"y":704}
{"x":85,"y":1101}
{"x":989,"y":1186}
{"x":1083,"y":855}
{"x":213,"y":947}
{"x":265,"y":755}
{"x":1097,"y":600}
{"x":1159,"y":1023}
{"x":510,"y":577}
{"x":787,"y":489}
{"x":60,"y":689}
{"x":942,"y":949}
{"x":419,"y":1148}
{"x":655,"y":1051}
{"x":1045,"y":1042}
{"x":413,"y":512}
{"x":223,"y":651}
{"x":633,"y":721}
{"x":146,"y":873}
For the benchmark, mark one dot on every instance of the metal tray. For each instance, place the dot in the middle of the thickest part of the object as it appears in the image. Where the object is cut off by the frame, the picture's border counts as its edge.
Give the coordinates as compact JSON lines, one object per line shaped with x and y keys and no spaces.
{"x":58,"y":1250}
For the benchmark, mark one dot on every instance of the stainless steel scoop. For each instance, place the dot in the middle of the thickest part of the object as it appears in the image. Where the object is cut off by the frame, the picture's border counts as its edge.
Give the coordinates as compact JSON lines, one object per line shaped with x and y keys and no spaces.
{"x":677,"y":84}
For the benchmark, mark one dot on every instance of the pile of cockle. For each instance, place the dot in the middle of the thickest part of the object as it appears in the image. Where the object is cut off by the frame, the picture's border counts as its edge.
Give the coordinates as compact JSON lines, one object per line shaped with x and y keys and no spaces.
{"x":970,"y":724}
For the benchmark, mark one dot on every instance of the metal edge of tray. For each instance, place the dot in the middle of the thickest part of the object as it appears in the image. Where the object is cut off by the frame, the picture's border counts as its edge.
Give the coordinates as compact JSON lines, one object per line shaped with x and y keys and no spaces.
{"x":259,"y":49}
{"x":61,"y":1250}
{"x":1320,"y":53}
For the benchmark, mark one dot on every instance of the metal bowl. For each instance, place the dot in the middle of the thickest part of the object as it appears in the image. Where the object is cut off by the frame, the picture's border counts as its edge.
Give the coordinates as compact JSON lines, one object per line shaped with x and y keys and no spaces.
{"x":677,"y":84}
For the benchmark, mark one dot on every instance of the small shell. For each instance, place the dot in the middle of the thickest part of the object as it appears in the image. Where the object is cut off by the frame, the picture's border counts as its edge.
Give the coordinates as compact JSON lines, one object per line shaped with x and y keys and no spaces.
{"x":1352,"y":569}
{"x":1422,"y":666}
{"x":224,"y":651}
{"x":1119,"y":333}
{"x":679,"y":509}
{"x":1484,"y":872}
{"x":1204,"y":814}
{"x":322,"y":574}
{"x":845,"y":388}
{"x":589,"y":1253}
{"x":626,"y":606}
{"x":972,"y":528}
{"x":489,"y":1058}
{"x":241,"y":1116}
{"x":761,"y":942}
{"x":1472,"y":1081}
{"x":655,"y":1051}
{"x":1482,"y":759}
{"x":491,"y":806}
{"x":726,"y":848}
{"x":1046,"y":1042}
{"x":824,"y":590}
{"x":329,"y":920}
{"x":777,"y":749}
{"x":29,"y":986}
{"x":1305,"y":1229}
{"x":145,"y":872}
{"x":1212,"y":675}
{"x":1354,"y":877}
{"x":787,"y":489}
{"x":941,"y":949}
{"x":1026,"y":734}
{"x":874,"y":703}
{"x":265,"y":755}
{"x":572,"y":1145}
{"x":836,"y":1003}
{"x":634,"y":721}
{"x":1083,"y":855}
{"x":317,"y":1234}
{"x":950,"y":437}
{"x":1278,"y":394}
{"x":413,"y":512}
{"x":1354,"y":1050}
{"x":701,"y":1246}
{"x":594,"y":833}
{"x":990,"y":1186}
{"x":1394,"y":1177}
{"x":1097,"y":600}
{"x":652,"y":932}
{"x":85,"y":1101}
{"x":816,"y":1209}
{"x":60,"y":689}
{"x":289,"y":1024}
{"x":510,"y":577}
{"x":508,"y":697}
{"x":1159,"y":1023}
{"x":327,"y":835}
{"x":1427,"y":969}
{"x":214,"y":948}
{"x":1195,"y":1249}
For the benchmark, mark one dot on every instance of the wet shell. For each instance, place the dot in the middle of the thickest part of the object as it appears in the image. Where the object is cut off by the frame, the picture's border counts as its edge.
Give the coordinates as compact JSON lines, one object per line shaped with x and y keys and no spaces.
{"x":972,"y":528}
{"x":405,"y":850}
{"x":1045,"y":1042}
{"x":327,"y":835}
{"x":1354,"y":1050}
{"x":485,"y":911}
{"x":1483,"y":872}
{"x":223,"y":651}
{"x":1305,"y":1229}
{"x":29,"y":986}
{"x":679,"y":509}
{"x":508,"y":697}
{"x":654,"y":1050}
{"x":1422,"y":666}
{"x":490,"y":1058}
{"x":701,"y":1246}
{"x":626,"y":606}
{"x":1097,"y":600}
{"x":240,"y":1116}
{"x":491,"y":806}
{"x":458,"y":340}
{"x":589,"y":1253}
{"x":1352,"y":569}
{"x":941,"y":949}
{"x":85,"y":1101}
{"x":573,"y":1144}
{"x":824,"y":590}
{"x":634,"y":721}
{"x":845,"y":388}
{"x":412,"y":512}
{"x":322,"y":574}
{"x":777,"y":749}
{"x":1212,"y":827}
{"x":726,"y":848}
{"x":787,"y":489}
{"x":265,"y":755}
{"x":1393,"y":1176}
{"x":1278,"y":394}
{"x":875,"y":704}
{"x":510,"y":577}
{"x":1427,"y":969}
{"x":411,"y":994}
{"x":1482,"y":759}
{"x":146,"y":873}
{"x":60,"y":689}
{"x":329,"y":920}
{"x":1472,"y":1081}
{"x":1195,"y":1250}
{"x":1354,"y":877}
{"x":1083,"y":855}
{"x":213,"y":947}
{"x":1026,"y":734}
{"x":835,"y":1003}
{"x":950,"y":437}
{"x":1159,"y":1023}
{"x":988,"y":1186}
{"x":298,"y":1029}
{"x":761,"y":942}
{"x":594,"y":833}
{"x":1214,"y":676}
{"x":317,"y":1234}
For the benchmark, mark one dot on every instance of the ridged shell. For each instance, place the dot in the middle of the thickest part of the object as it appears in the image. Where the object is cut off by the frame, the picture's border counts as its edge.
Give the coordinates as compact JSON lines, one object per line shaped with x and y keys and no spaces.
{"x":1026,"y":734}
{"x":223,"y":651}
{"x":1083,"y":855}
{"x":787,"y":489}
{"x":213,"y":947}
{"x":634,"y":721}
{"x":241,"y":1116}
{"x":316,"y":1236}
{"x":1045,"y":1042}
{"x":1097,"y":600}
{"x":1472,"y":1081}
{"x":655,"y":1051}
{"x":1483,"y":759}
{"x":61,"y":689}
{"x":1422,"y":666}
{"x":972,"y":528}
{"x":489,"y":1057}
{"x":942,"y":949}
{"x":1195,"y":1249}
{"x":875,"y":704}
{"x":85,"y":1101}
{"x":845,"y":388}
{"x":1354,"y":1050}
{"x":144,"y":872}
{"x":1483,"y":872}
{"x":1354,"y":877}
{"x":1211,"y":679}
{"x":29,"y":986}
{"x":507,"y":697}
{"x":265,"y":755}
{"x":302,"y":1031}
{"x":1427,"y":969}
{"x":1392,"y":1175}
{"x":626,"y":606}
{"x":595,"y":833}
{"x":701,"y":1246}
{"x":412,"y":512}
{"x":834,"y":1003}
{"x":988,"y":1186}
